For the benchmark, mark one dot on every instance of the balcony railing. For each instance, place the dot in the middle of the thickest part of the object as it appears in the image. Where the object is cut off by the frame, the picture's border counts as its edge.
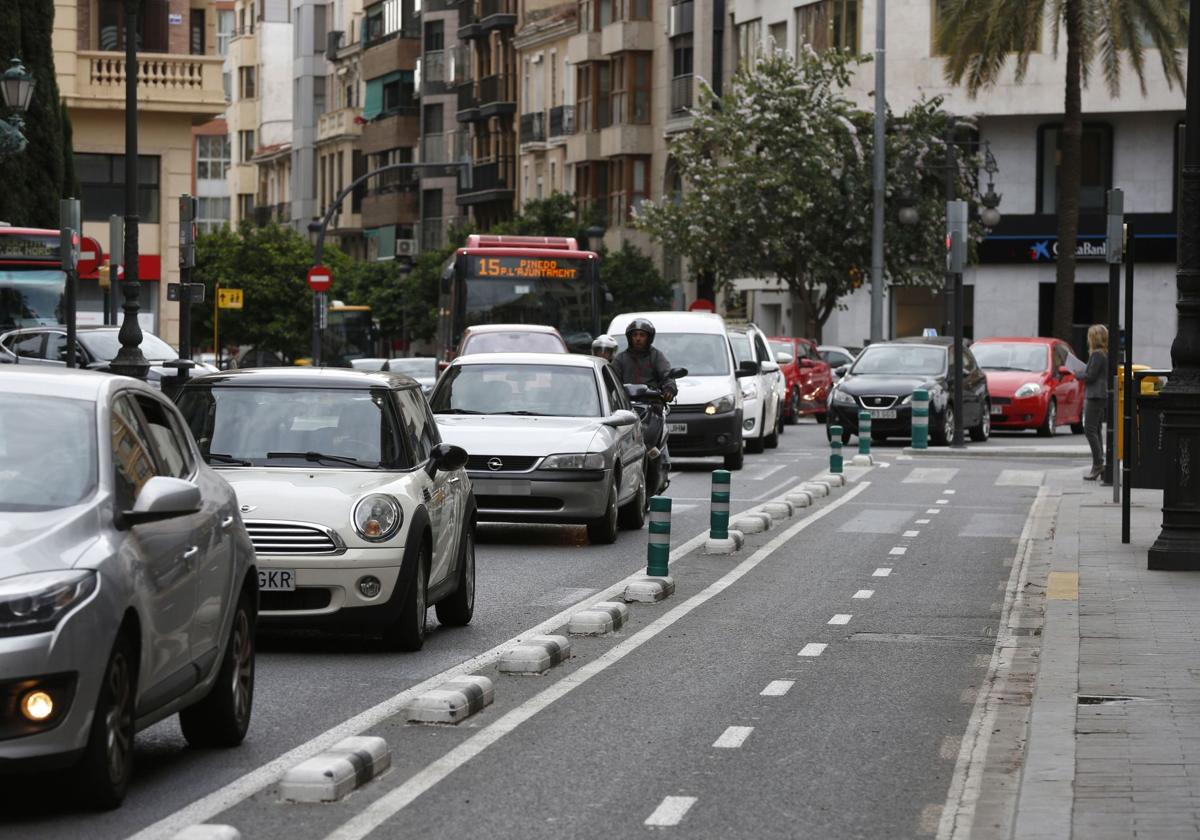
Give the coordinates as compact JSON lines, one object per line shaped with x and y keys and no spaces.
{"x":344,"y":122}
{"x":165,"y":82}
{"x":533,"y":127}
{"x":466,"y":97}
{"x":562,"y":120}
{"x":488,"y":8}
{"x":495,"y":89}
{"x":433,"y":67}
{"x":681,"y":94}
{"x":267,"y":214}
{"x":490,"y":176}
{"x":434,"y":148}
{"x":459,"y":70}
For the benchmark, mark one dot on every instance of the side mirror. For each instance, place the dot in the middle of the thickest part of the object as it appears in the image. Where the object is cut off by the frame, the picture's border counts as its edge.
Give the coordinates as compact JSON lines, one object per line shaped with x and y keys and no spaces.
{"x":677,"y":373}
{"x":620,"y":417}
{"x":747,"y":368}
{"x":445,"y":457}
{"x":785,"y":359}
{"x":841,"y":370}
{"x":768,"y":366}
{"x":163,"y":497}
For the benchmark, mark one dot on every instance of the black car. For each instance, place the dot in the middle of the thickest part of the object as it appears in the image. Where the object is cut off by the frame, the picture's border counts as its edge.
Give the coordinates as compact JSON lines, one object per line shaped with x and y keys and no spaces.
{"x":882,"y":380}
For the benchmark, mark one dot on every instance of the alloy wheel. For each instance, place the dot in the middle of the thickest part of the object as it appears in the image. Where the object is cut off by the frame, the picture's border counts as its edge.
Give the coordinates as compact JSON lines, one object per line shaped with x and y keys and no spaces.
{"x":118,"y":718}
{"x":243,"y":671}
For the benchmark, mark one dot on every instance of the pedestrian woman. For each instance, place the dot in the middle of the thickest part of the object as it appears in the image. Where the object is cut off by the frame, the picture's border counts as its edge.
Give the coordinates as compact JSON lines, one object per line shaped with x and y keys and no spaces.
{"x":1094,"y":377}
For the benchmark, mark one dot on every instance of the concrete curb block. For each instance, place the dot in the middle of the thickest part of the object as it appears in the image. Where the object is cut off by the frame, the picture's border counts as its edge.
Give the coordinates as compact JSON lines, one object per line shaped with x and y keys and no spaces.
{"x":598,"y":619}
{"x":833,"y":479}
{"x":725,"y":546}
{"x":778,"y":510}
{"x":209,"y":832}
{"x":536,"y":655}
{"x":452,"y":702}
{"x":650,"y":590}
{"x":861,"y":460}
{"x":752,"y":523}
{"x":815,"y":488}
{"x":329,"y":776}
{"x":799,"y":498}
{"x":1005,"y":452}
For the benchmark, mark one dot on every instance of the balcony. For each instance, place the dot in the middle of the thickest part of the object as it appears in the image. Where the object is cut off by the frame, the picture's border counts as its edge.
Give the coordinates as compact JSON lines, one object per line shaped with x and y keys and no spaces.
{"x":459,"y":69}
{"x":273,"y":214}
{"x":497,"y":95}
{"x":533,"y":128}
{"x":435,"y":148}
{"x":680,"y":19}
{"x":182,"y":84}
{"x":627,"y":35}
{"x":434,"y":75}
{"x":335,"y":125}
{"x":390,"y":204}
{"x":468,"y":22}
{"x":489,"y":182}
{"x":681,"y":95}
{"x":562,"y":121}
{"x":468,"y":105}
{"x":399,"y":128}
{"x":497,"y":14}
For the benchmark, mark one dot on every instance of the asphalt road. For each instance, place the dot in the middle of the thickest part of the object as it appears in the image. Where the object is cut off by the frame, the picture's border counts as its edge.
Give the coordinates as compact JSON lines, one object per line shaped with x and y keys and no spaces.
{"x":861,"y":744}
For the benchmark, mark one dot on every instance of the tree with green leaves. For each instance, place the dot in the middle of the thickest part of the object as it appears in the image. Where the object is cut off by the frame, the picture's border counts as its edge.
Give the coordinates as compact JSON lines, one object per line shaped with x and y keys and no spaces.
{"x":979,"y":36}
{"x":631,"y":283}
{"x":776,"y":184}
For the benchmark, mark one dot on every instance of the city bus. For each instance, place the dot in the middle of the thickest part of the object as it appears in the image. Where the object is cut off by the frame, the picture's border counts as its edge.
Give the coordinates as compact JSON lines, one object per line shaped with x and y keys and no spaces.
{"x":32,"y":283}
{"x":351,"y":334}
{"x":520,"y":280}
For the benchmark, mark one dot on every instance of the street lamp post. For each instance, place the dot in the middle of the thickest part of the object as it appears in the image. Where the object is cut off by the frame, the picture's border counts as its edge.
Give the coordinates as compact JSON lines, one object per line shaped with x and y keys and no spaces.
{"x":130,"y":361}
{"x":16,"y":88}
{"x":879,"y":173}
{"x":1178,"y":545}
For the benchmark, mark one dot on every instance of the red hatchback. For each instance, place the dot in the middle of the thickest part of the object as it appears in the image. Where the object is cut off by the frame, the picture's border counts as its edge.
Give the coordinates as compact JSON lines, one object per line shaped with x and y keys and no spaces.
{"x":1033,"y":382}
{"x":808,"y":377}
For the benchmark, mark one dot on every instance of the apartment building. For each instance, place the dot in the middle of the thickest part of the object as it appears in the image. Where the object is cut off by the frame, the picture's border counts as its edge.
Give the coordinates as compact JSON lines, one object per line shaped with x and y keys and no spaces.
{"x":1129,"y":142}
{"x":179,"y":87}
{"x":546,"y":121}
{"x":212,"y":152}
{"x":339,"y":160}
{"x":445,"y":66}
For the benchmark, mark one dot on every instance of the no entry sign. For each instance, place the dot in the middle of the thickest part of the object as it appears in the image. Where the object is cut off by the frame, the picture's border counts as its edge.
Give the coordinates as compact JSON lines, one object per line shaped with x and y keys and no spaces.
{"x":320,"y":278}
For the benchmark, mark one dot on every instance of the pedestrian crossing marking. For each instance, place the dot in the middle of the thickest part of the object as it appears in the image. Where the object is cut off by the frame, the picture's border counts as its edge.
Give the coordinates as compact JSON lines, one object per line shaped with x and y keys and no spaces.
{"x":1020,"y":478}
{"x":930,"y":475}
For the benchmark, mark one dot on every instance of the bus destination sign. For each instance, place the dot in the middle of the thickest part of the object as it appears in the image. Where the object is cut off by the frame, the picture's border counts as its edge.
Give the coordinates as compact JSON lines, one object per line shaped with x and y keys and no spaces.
{"x":525,"y":268}
{"x":29,"y":246}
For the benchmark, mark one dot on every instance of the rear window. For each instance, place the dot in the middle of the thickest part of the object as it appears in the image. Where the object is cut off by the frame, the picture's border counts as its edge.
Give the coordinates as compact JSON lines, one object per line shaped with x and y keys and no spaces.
{"x":513,"y":342}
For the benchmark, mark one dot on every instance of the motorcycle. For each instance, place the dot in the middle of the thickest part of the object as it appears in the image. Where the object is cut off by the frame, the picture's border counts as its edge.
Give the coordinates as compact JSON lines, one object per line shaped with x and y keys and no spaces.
{"x":652,"y":408}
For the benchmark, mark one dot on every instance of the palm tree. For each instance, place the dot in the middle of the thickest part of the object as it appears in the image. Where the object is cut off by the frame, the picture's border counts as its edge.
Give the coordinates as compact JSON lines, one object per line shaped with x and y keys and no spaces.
{"x":978,"y":36}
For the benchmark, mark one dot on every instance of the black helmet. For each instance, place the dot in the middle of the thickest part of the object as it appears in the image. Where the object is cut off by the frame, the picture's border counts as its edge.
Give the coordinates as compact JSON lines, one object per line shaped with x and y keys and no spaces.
{"x":642,"y":324}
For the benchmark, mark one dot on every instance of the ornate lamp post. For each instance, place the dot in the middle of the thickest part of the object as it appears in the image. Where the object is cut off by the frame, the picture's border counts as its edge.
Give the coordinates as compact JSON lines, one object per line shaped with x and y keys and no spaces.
{"x":16,"y":88}
{"x":130,"y":361}
{"x":1178,"y":545}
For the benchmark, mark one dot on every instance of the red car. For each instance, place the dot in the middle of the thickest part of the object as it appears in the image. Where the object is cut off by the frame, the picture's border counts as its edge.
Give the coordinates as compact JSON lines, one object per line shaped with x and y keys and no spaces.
{"x":1034,"y":383}
{"x":808,"y":377}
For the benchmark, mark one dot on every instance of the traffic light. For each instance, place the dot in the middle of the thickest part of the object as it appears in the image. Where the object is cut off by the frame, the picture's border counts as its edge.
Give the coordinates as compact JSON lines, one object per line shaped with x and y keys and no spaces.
{"x":956,"y":236}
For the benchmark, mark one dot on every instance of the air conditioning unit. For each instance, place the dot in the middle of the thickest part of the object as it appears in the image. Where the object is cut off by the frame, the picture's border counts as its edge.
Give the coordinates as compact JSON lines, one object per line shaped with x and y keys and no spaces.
{"x":406,"y":247}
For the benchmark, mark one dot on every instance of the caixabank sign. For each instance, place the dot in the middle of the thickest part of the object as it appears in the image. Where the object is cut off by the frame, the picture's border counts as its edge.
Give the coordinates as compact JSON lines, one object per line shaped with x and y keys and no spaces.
{"x":1034,"y":239}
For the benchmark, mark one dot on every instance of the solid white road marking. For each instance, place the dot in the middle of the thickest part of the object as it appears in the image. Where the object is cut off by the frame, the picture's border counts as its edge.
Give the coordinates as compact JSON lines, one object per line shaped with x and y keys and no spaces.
{"x":733,"y":737}
{"x":671,"y":810}
{"x":840,"y":618}
{"x":922,"y":521}
{"x":864,"y":593}
{"x":777,"y":688}
{"x":813,"y":649}
{"x":881,"y":572}
{"x":897,"y":550}
{"x":911,"y":534}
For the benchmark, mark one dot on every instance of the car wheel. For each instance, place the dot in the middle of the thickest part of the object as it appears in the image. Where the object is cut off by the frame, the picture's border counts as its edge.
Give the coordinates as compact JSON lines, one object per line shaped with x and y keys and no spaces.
{"x":735,"y":460}
{"x":222,"y":718}
{"x":755,"y":445}
{"x":633,"y":515}
{"x":793,"y":412}
{"x":107,"y":763}
{"x":771,"y":441}
{"x":1048,"y":425}
{"x":943,"y":433}
{"x":407,"y":632}
{"x":457,"y":609}
{"x":603,"y":531}
{"x":1076,"y":428}
{"x":983,"y":431}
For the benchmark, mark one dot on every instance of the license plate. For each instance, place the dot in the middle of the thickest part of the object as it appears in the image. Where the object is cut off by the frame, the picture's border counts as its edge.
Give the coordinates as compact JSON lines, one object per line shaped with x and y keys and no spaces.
{"x":996,"y":409}
{"x":883,"y":414}
{"x":495,"y":487}
{"x":277,"y":580}
{"x":677,"y":428}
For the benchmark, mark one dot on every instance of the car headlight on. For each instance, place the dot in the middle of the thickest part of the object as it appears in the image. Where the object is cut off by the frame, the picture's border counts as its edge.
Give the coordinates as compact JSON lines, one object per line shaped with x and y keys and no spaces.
{"x":721,"y":405}
{"x":749,"y":389}
{"x":1029,"y":389}
{"x":377,"y":517}
{"x":574,"y":461}
{"x":841,"y":398}
{"x":36,"y":603}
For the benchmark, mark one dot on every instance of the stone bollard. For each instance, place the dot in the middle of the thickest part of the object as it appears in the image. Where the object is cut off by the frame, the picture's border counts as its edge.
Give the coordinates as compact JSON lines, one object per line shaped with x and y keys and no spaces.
{"x":920,"y":419}
{"x":835,"y":449}
{"x":658,"y":549}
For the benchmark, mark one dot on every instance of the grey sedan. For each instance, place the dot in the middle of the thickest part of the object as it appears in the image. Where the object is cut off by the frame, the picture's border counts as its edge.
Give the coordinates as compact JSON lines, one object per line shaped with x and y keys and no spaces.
{"x":550,"y":438}
{"x":128,"y":590}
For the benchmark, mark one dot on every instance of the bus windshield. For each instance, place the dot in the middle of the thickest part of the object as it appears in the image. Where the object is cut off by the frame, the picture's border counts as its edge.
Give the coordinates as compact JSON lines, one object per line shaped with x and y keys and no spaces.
{"x":31,"y":298}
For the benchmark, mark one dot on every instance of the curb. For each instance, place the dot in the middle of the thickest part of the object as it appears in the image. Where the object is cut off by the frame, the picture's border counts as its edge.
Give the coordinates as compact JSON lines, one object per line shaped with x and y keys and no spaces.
{"x":208,"y":832}
{"x":752,"y":523}
{"x":1005,"y":452}
{"x":455,"y":701}
{"x":328,"y":777}
{"x":650,"y":590}
{"x":779,"y":510}
{"x":598,"y":619}
{"x":799,"y":498}
{"x":536,"y":656}
{"x":816,"y":489}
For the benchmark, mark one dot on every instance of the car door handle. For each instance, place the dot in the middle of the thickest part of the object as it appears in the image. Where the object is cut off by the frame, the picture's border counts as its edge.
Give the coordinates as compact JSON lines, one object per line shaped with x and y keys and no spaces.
{"x":191,"y":552}
{"x":454,"y":480}
{"x":227,"y":521}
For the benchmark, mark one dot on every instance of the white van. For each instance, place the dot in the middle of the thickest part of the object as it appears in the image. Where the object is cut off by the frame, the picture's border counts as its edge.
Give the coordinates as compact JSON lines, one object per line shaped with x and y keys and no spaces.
{"x":706,"y":417}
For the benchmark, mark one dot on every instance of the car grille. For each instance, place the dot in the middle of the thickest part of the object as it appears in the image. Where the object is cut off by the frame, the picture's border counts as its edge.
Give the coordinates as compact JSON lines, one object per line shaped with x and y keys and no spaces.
{"x":518,"y":503}
{"x":271,"y":537}
{"x":1000,"y":400}
{"x":693,"y":409}
{"x":304,"y":598}
{"x":508,"y":463}
{"x":877,"y":401}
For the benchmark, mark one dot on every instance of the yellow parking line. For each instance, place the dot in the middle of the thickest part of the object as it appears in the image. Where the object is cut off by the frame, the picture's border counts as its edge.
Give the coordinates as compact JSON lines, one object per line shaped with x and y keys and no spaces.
{"x":1063,"y":586}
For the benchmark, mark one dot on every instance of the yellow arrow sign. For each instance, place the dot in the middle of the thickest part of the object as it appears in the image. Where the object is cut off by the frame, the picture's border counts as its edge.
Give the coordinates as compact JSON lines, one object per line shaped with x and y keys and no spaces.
{"x":229,"y":298}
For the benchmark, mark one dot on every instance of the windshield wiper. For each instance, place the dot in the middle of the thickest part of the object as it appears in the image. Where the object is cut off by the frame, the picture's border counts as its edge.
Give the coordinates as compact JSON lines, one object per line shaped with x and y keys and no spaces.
{"x":227,"y":459}
{"x":320,"y":456}
{"x":457,"y":411}
{"x":523,"y":413}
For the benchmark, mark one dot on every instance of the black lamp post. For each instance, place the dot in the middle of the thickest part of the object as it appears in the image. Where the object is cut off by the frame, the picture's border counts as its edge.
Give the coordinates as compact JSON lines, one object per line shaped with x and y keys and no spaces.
{"x":16,"y":89}
{"x":130,"y":361}
{"x":1178,"y":545}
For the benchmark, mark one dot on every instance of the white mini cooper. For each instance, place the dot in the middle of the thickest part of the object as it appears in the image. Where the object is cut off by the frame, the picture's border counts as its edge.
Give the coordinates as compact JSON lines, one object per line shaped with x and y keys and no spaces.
{"x":360,"y":516}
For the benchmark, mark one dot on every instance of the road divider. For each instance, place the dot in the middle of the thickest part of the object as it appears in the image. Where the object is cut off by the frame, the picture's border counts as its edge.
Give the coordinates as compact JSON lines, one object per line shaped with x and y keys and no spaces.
{"x":799,"y":498}
{"x":536,"y":655}
{"x":598,"y":619}
{"x":778,"y":511}
{"x":658,"y":545}
{"x":453,"y":702}
{"x":720,"y":540}
{"x":815,"y":488}
{"x":328,"y":777}
{"x":752,"y":523}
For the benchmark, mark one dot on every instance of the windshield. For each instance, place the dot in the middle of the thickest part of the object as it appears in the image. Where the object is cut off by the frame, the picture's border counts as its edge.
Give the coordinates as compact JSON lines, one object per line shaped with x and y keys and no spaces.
{"x":562,"y":302}
{"x":703,"y":354}
{"x":418,"y":368}
{"x":104,"y":345}
{"x":782,"y":347}
{"x":1014,"y":356}
{"x":741,"y":347}
{"x":31,"y":298}
{"x":513,"y":342}
{"x":237,"y":423}
{"x":901,"y":360}
{"x":47,"y":453}
{"x":554,"y":390}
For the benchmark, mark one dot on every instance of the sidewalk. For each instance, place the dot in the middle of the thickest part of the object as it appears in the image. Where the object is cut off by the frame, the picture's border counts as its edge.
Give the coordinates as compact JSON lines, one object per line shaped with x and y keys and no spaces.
{"x":1113,"y":747}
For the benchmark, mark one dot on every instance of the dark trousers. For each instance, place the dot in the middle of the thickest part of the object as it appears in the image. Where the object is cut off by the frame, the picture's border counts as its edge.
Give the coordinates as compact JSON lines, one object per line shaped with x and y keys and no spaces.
{"x":1094,"y":409}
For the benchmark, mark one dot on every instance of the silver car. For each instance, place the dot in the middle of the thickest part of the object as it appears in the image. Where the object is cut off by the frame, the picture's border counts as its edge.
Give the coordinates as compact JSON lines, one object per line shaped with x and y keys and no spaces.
{"x":550,"y":437}
{"x":127,"y":583}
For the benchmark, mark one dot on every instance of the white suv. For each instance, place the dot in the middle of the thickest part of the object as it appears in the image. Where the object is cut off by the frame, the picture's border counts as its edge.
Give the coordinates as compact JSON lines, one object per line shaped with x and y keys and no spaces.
{"x":764,"y":392}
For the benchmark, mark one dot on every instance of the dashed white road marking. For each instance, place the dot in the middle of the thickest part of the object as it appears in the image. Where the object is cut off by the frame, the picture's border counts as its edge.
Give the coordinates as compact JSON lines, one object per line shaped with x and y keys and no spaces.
{"x":733,"y":737}
{"x":813,"y":649}
{"x":911,"y":534}
{"x":930,"y":475}
{"x":922,"y":521}
{"x":949,"y":492}
{"x":671,"y":810}
{"x":943,"y":501}
{"x":897,"y":550}
{"x":881,"y":572}
{"x":864,"y":593}
{"x":777,"y":688}
{"x":840,"y":618}
{"x":934,"y":511}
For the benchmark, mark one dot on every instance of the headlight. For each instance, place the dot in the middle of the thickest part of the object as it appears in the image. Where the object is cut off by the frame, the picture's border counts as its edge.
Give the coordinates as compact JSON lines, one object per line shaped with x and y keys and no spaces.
{"x":35,"y":603}
{"x":574,"y":461}
{"x":905,"y":400}
{"x":749,"y":389}
{"x":1029,"y":389}
{"x":721,"y":405}
{"x":377,"y":517}
{"x":840,"y":398}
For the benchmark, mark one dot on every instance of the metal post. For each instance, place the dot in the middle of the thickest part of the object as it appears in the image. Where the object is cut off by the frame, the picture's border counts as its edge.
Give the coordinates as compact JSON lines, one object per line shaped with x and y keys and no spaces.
{"x":1115,"y":202}
{"x":116,"y":258}
{"x":864,"y":433}
{"x":718,"y":519}
{"x":187,"y":260}
{"x":958,"y":361}
{"x":1130,"y":449}
{"x":920,"y":419}
{"x":70,"y":229}
{"x":835,"y":450}
{"x":949,"y":169}
{"x":658,"y":549}
{"x":877,"y":204}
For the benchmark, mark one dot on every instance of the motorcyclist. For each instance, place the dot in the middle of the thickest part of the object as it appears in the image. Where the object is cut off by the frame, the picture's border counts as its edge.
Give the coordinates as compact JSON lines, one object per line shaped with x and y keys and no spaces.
{"x":643,"y":364}
{"x":604,"y":346}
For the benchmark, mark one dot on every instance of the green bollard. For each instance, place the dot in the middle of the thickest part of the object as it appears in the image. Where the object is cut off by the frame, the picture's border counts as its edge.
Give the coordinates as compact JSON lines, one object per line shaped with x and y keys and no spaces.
{"x":864,"y":433}
{"x":920,"y":419}
{"x":835,"y":449}
{"x":718,"y":518}
{"x":658,"y":550}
